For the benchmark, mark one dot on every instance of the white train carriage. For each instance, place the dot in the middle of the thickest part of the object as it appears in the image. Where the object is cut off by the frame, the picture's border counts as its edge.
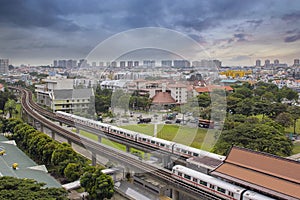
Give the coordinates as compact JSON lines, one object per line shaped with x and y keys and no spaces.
{"x":102,"y":126}
{"x":207,"y":183}
{"x":187,"y":151}
{"x":156,"y":142}
{"x":251,"y":195}
{"x":64,"y":115}
{"x":123,"y":132}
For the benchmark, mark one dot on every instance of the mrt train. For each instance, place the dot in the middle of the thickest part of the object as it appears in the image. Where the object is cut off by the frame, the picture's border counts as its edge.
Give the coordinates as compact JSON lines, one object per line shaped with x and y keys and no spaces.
{"x":215,"y":186}
{"x":172,"y":147}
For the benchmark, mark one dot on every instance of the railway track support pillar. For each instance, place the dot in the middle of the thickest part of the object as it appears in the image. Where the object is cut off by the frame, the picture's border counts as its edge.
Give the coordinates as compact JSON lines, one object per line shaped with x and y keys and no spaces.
{"x":94,"y":158}
{"x":99,"y":138}
{"x":60,"y":123}
{"x":53,"y":135}
{"x":175,"y":194}
{"x":42,"y":128}
{"x":166,"y":160}
{"x":77,"y":130}
{"x":69,"y":141}
{"x":127,"y":148}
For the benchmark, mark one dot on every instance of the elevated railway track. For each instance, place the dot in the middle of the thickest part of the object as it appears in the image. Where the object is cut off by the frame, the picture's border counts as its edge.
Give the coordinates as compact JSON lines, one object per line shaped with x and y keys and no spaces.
{"x":37,"y":113}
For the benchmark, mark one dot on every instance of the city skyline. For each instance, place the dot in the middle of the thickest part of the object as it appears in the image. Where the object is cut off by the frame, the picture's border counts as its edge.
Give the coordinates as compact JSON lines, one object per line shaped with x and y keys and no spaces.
{"x":237,"y":33}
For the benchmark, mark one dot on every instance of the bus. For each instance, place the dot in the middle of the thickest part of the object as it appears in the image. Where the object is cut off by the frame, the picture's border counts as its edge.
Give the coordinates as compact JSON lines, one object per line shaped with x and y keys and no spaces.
{"x":205,"y":123}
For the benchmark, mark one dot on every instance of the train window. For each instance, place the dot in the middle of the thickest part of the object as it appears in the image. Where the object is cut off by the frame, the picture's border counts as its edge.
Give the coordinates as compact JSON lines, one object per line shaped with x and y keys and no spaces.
{"x":162,"y":145}
{"x":183,"y":151}
{"x":230,"y":193}
{"x":195,"y":180}
{"x":144,"y":139}
{"x":152,"y":142}
{"x":203,"y":183}
{"x":211,"y":186}
{"x":128,"y":135}
{"x":179,"y":174}
{"x":187,"y":176}
{"x":190,"y":153}
{"x":221,"y":190}
{"x":195,"y":154}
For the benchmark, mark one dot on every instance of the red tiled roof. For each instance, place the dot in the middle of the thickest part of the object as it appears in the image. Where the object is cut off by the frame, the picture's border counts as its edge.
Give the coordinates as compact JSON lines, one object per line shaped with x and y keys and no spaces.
{"x":264,"y":172}
{"x":163,"y":98}
{"x":213,"y":87}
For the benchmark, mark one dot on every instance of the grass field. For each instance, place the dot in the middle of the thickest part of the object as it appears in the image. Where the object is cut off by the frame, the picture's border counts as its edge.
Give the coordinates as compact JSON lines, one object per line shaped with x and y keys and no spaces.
{"x":296,"y":148}
{"x":181,"y":134}
{"x":111,"y":143}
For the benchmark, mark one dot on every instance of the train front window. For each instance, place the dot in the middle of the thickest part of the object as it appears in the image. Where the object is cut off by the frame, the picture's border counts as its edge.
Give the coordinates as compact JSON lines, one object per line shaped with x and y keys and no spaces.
{"x":211,"y":186}
{"x":179,"y":174}
{"x":230,"y":193}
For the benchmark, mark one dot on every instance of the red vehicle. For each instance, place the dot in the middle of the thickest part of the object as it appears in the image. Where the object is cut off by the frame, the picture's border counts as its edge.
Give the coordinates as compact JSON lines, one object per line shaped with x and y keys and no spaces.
{"x":205,"y":123}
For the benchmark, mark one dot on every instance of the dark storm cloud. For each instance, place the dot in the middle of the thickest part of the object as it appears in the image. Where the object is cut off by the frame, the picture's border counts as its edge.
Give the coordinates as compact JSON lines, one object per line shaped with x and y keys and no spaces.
{"x":291,"y":31}
{"x":31,"y":13}
{"x":291,"y":17}
{"x":240,"y":37}
{"x":292,"y":38}
{"x":255,"y":23}
{"x":76,"y":25}
{"x":59,"y":15}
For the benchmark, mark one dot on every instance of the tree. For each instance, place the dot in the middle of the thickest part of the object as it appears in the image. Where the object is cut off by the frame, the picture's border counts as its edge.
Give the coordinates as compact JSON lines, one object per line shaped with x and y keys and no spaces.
{"x":295,"y":112}
{"x":284,"y":119}
{"x":255,"y":136}
{"x":73,"y":171}
{"x":98,"y":185}
{"x":14,"y":188}
{"x":245,"y":107}
{"x":10,"y":106}
{"x":204,"y":100}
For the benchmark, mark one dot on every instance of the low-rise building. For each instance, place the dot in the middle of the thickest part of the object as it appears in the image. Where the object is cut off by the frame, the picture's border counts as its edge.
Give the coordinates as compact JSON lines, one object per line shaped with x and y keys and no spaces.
{"x":59,"y":95}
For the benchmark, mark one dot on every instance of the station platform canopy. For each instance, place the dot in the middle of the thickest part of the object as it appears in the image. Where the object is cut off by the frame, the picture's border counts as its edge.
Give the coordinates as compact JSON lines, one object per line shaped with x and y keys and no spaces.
{"x":27,"y":168}
{"x":270,"y":174}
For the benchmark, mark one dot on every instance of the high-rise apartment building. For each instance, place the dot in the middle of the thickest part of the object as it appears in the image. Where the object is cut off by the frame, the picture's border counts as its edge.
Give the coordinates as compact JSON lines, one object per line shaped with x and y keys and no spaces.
{"x":130,"y":63}
{"x":181,"y":63}
{"x":4,"y":66}
{"x":136,"y":63}
{"x":167,"y":63}
{"x":296,"y":62}
{"x":267,"y":63}
{"x":122,"y":64}
{"x":258,"y":63}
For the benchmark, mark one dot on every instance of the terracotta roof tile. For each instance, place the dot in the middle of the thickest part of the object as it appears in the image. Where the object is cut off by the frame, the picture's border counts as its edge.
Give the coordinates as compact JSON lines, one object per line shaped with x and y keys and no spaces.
{"x":213,"y":87}
{"x":265,"y":172}
{"x":163,"y":98}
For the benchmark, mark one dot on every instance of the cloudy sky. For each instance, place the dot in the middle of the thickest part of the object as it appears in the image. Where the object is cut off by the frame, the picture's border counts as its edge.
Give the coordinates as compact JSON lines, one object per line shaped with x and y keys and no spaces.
{"x":236,"y":32}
